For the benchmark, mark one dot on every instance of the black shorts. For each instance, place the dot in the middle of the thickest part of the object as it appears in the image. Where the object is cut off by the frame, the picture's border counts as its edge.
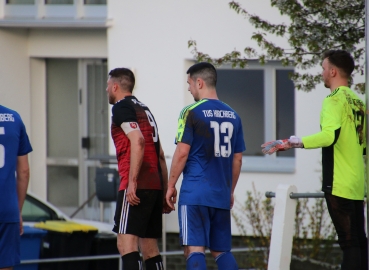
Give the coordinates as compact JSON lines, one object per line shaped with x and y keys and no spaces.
{"x":143,"y":220}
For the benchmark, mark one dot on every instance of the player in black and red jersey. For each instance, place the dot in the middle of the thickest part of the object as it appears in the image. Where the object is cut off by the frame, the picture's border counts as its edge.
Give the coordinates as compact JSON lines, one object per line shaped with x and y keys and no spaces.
{"x":143,"y":172}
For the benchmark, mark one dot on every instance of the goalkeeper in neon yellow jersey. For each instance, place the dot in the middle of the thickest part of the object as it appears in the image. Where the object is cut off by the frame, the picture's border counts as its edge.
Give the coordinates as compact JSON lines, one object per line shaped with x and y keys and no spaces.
{"x":343,"y":142}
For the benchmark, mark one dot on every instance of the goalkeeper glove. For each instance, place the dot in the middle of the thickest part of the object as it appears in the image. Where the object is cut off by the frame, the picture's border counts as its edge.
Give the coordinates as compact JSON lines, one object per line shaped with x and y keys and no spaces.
{"x":281,"y":145}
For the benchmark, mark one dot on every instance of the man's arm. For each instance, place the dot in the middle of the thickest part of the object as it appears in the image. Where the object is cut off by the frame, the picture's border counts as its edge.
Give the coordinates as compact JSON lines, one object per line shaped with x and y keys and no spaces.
{"x":324,"y":138}
{"x":22,"y":184}
{"x":137,"y":152}
{"x":178,"y":163}
{"x":331,"y":121}
{"x":236,"y":169}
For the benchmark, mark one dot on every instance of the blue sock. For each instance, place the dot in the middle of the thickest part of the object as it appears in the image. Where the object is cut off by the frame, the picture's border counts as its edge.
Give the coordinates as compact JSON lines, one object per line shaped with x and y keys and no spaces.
{"x":196,"y":261}
{"x":226,"y":261}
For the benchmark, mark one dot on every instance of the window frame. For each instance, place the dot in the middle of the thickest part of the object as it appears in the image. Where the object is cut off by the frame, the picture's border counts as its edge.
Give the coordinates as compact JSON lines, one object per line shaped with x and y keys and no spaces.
{"x":78,"y":14}
{"x":268,"y":163}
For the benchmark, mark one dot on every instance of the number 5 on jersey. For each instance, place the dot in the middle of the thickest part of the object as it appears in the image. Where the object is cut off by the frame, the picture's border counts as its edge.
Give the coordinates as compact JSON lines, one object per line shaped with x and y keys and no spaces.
{"x":2,"y":149}
{"x":219,"y":148}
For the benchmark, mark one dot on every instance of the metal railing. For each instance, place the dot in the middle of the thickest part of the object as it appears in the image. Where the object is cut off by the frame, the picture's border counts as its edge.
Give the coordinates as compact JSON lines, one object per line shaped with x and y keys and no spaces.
{"x":293,"y":195}
{"x":279,"y":258}
{"x":283,"y":224}
{"x":117,"y":256}
{"x":284,"y":191}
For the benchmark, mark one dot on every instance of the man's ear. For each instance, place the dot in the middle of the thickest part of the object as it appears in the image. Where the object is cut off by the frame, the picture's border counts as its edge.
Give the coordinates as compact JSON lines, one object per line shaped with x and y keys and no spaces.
{"x":333,"y":72}
{"x":115,"y":87}
{"x":200,"y":83}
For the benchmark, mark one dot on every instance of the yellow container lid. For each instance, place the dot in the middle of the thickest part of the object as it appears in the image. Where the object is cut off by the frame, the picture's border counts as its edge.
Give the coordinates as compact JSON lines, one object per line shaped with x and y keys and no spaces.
{"x":64,"y":226}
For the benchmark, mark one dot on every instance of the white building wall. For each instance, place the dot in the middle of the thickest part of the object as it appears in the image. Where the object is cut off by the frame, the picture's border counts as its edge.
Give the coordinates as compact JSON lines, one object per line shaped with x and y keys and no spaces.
{"x":14,"y":72}
{"x":152,"y":37}
{"x":15,"y":91}
{"x":64,"y":43}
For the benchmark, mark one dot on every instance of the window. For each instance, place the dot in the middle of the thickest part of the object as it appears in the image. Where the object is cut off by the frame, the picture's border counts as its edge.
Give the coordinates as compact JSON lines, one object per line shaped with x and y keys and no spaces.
{"x":285,"y":108}
{"x":243,"y":90}
{"x":59,"y":2}
{"x":20,"y":2}
{"x":70,"y":2}
{"x":55,"y":2}
{"x":263,"y":96}
{"x":95,"y":2}
{"x":34,"y":211}
{"x":98,"y":111}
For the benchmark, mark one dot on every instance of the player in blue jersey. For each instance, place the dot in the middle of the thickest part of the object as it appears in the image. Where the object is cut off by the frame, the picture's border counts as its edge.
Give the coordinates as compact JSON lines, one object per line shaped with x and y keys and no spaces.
{"x":14,"y":177}
{"x":209,"y":153}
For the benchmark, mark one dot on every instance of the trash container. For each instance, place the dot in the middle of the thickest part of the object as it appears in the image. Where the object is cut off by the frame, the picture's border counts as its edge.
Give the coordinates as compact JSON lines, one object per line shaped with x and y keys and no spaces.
{"x":64,"y":240}
{"x":107,"y":184}
{"x":30,"y":247}
{"x":104,"y":244}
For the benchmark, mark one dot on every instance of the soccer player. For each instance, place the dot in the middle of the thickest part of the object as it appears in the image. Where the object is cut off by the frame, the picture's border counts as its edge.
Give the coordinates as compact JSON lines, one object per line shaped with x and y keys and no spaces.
{"x":143,"y":172}
{"x":343,"y":142}
{"x":14,"y":178}
{"x":209,"y":152}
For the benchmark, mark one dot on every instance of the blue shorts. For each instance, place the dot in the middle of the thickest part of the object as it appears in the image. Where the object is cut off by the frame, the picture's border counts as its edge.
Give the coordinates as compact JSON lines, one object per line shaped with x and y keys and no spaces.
{"x":9,"y":244}
{"x":205,"y":226}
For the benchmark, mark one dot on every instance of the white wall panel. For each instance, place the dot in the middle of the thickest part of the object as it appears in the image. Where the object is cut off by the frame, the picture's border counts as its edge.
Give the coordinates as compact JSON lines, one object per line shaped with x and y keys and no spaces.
{"x":14,"y":72}
{"x":51,"y":43}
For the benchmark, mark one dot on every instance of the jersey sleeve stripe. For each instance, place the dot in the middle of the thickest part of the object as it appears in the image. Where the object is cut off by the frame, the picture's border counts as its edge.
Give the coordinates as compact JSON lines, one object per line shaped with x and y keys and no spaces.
{"x":190,"y":107}
{"x":184,"y":110}
{"x":183,"y":117}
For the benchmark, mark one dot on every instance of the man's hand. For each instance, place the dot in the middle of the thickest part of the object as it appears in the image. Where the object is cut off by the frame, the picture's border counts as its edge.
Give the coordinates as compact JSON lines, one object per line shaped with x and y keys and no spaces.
{"x":171,"y":197}
{"x":232,"y":200}
{"x":274,"y":146}
{"x":281,"y":145}
{"x":131,"y":193}
{"x":20,"y":224}
{"x":166,"y":208}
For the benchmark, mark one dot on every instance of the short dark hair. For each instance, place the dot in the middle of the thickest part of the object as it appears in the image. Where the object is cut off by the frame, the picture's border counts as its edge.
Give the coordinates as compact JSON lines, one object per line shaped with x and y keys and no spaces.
{"x":341,"y":59}
{"x":205,"y":71}
{"x":125,"y":78}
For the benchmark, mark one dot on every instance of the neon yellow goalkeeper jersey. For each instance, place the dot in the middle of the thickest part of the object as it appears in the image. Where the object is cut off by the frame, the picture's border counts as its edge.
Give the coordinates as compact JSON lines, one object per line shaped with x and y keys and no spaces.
{"x":343,"y":141}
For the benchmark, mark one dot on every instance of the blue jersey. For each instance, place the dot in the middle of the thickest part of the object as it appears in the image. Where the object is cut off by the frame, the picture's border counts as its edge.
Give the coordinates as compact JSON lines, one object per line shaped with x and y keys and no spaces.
{"x":14,"y":142}
{"x":214,"y":132}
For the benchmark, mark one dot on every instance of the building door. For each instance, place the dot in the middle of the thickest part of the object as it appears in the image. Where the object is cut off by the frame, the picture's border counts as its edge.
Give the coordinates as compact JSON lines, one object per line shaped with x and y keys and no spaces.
{"x":77,"y":129}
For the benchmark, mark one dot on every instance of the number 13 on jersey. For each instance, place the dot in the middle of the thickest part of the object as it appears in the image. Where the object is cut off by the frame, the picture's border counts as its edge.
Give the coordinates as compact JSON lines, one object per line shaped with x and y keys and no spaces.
{"x":222,"y":148}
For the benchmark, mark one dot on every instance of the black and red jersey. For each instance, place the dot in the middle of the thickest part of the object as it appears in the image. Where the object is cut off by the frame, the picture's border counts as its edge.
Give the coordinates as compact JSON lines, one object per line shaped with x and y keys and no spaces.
{"x":130,"y":109}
